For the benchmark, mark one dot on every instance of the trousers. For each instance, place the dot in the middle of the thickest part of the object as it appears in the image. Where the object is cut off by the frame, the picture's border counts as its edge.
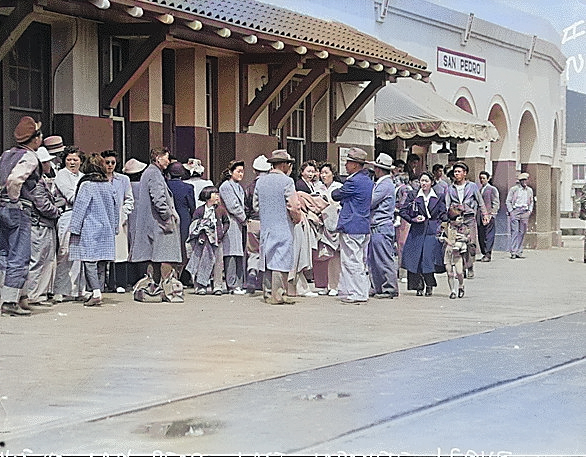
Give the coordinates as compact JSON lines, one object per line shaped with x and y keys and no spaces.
{"x":382,"y":264}
{"x":354,"y":283}
{"x":15,"y":244}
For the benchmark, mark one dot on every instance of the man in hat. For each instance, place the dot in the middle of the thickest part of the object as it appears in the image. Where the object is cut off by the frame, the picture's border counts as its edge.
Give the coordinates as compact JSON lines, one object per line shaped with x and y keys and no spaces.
{"x":486,"y":233}
{"x":261,"y":166}
{"x":382,"y":264}
{"x":354,"y":227}
{"x":19,"y":174}
{"x":45,"y":212}
{"x":466,"y":195}
{"x":279,"y":210}
{"x":519,"y":208}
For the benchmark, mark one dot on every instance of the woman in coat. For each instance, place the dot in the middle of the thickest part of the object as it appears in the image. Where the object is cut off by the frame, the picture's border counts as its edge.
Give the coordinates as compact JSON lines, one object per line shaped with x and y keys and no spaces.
{"x":157,"y":238}
{"x":423,"y":253}
{"x":118,"y":274}
{"x":232,"y":195}
{"x":94,"y":224}
{"x":184,"y":204}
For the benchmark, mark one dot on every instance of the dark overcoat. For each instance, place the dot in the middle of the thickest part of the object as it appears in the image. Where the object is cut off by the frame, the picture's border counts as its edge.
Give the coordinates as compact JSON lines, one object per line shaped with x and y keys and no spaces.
{"x":423,"y":252}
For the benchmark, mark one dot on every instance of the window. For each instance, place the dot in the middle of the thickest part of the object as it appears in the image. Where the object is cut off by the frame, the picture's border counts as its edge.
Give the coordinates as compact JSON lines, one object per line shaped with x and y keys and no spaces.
{"x":579,"y":172}
{"x":26,"y":81}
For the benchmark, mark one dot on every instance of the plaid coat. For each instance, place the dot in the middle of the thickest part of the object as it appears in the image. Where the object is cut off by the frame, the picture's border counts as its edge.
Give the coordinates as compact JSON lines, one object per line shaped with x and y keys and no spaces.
{"x":94,"y":223}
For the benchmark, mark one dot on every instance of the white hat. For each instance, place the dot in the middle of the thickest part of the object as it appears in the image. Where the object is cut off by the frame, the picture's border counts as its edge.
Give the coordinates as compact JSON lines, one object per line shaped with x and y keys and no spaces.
{"x":523,"y":176}
{"x":133,"y":166}
{"x":261,"y":163}
{"x":43,"y":155}
{"x":194,"y":166}
{"x":383,"y":161}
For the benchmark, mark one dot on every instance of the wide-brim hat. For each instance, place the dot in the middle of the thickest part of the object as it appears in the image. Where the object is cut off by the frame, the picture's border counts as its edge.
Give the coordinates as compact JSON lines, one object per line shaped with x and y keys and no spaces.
{"x":194,"y":166}
{"x":261,"y":163}
{"x":26,"y":129}
{"x":54,"y":144}
{"x":43,"y":155}
{"x":279,"y":156}
{"x":133,"y":166}
{"x":383,"y":161}
{"x":357,"y":155}
{"x":523,"y":176}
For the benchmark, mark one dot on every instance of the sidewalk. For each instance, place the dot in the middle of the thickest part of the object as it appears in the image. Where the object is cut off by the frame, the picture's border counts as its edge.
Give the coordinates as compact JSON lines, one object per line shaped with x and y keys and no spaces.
{"x":71,"y":364}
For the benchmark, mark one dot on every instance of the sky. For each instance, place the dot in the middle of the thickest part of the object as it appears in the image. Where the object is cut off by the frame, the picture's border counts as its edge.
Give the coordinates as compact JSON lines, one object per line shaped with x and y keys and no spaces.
{"x":562,"y":22}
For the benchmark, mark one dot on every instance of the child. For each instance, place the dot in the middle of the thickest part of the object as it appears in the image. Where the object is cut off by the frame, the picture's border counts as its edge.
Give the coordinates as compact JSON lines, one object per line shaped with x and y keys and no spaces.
{"x":455,"y":236}
{"x":210,"y":223}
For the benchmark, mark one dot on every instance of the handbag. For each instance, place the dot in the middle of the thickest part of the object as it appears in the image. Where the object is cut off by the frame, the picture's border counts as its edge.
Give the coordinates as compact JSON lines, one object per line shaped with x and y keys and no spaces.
{"x":147,"y":290}
{"x":172,"y":289}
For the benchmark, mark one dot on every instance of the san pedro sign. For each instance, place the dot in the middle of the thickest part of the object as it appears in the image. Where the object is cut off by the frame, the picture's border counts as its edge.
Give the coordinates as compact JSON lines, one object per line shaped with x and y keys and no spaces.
{"x":457,"y":63}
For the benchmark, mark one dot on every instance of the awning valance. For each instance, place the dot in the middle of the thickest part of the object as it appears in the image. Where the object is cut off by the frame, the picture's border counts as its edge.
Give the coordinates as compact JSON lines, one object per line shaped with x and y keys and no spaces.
{"x":408,"y":109}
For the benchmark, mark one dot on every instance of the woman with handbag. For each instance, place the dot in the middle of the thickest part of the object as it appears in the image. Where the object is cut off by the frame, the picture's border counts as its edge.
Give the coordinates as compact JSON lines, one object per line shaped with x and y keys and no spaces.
{"x":423,"y":252}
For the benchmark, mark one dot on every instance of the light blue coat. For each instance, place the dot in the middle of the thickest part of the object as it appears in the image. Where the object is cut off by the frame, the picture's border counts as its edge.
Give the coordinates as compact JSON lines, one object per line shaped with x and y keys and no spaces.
{"x":232,"y":195}
{"x":94,"y":223}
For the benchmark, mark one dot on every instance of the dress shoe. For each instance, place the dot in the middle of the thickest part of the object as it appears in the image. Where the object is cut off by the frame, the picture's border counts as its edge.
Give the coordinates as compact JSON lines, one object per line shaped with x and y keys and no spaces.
{"x":352,"y":301}
{"x":453,"y":295}
{"x":93,"y":301}
{"x":333,"y":293}
{"x":470,"y":274}
{"x":419,"y":292}
{"x":485,"y":259}
{"x":310,"y":294}
{"x":217,"y":292}
{"x":200,"y":291}
{"x":238,"y":291}
{"x":24,"y":304}
{"x":428,"y":291}
{"x":460,"y":292}
{"x":13,"y":309}
{"x":41,"y":304}
{"x":514,"y":256}
{"x":384,"y":295}
{"x":519,"y":256}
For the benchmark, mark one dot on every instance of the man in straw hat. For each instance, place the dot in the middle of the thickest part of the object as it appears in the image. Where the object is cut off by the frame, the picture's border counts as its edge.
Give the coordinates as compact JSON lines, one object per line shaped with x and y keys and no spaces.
{"x":354,"y":227}
{"x":46,"y":211}
{"x":19,"y":174}
{"x":382,"y":263}
{"x":279,"y":210}
{"x":519,"y":208}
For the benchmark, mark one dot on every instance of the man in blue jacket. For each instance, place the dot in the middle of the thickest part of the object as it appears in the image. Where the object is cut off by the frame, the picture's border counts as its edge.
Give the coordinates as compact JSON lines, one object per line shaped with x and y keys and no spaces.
{"x":354,"y":227}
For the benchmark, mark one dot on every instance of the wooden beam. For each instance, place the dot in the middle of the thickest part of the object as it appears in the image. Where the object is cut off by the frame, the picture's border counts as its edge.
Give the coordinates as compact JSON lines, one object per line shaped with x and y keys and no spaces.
{"x":354,"y":74}
{"x":134,"y":68}
{"x":278,"y":80}
{"x":319,"y":71}
{"x":356,"y":106}
{"x":15,"y":25}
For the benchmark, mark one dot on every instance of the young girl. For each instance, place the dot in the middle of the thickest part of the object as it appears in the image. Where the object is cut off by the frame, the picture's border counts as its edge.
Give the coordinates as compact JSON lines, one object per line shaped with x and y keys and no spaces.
{"x":209,"y":225}
{"x":455,"y":235}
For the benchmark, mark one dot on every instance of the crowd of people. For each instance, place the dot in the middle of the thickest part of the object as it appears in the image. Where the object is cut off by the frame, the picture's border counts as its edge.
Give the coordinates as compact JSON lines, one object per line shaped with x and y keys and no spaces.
{"x":71,"y":227}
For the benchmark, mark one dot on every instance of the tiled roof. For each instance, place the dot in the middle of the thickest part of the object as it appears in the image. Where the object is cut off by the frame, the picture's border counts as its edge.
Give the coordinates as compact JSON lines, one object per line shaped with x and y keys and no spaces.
{"x":335,"y":37}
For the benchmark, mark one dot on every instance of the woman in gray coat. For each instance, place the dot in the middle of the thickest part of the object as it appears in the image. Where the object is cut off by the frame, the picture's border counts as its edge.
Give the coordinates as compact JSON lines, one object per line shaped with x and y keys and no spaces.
{"x":157,"y":238}
{"x":232,"y":195}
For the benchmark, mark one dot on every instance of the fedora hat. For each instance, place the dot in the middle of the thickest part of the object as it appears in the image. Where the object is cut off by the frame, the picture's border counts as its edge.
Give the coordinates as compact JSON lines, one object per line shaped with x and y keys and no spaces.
{"x":43,"y":155}
{"x":280,"y":155}
{"x":523,"y":176}
{"x":26,"y":129}
{"x":194,"y":165}
{"x":133,"y":166}
{"x":54,"y":143}
{"x":383,"y":161}
{"x":357,"y":155}
{"x":261,"y":163}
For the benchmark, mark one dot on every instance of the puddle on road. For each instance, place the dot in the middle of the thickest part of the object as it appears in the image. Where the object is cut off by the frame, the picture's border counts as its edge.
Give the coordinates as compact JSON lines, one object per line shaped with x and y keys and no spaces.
{"x":177,"y":429}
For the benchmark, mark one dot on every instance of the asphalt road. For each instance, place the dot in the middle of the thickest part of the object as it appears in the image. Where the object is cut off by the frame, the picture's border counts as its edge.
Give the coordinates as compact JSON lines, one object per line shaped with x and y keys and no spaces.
{"x":500,"y":370}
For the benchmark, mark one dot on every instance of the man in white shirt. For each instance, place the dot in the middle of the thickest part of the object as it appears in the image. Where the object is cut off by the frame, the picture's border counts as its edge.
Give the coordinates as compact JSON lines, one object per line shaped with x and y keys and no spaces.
{"x":519,"y":208}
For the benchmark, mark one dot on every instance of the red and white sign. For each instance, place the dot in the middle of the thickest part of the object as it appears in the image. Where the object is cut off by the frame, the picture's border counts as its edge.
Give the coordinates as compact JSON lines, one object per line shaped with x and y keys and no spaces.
{"x":457,"y":63}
